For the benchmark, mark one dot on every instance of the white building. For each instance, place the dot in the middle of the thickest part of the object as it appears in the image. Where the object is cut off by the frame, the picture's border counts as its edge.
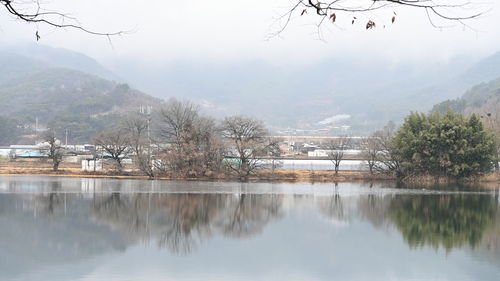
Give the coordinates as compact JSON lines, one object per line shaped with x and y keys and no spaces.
{"x":325,"y":152}
{"x":92,"y":165}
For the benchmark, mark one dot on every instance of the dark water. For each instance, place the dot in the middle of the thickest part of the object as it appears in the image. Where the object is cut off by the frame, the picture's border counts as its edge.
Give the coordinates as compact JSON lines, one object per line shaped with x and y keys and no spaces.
{"x":94,"y":229}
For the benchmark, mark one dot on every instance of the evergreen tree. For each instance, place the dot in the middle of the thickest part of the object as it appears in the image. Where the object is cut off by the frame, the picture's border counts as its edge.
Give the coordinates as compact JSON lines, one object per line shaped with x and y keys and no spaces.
{"x":444,"y":145}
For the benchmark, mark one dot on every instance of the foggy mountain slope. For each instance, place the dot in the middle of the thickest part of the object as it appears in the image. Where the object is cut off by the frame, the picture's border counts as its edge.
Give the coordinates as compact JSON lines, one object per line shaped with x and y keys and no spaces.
{"x":485,"y":70}
{"x":64,"y":99}
{"x":483,"y":98}
{"x":368,"y":92}
{"x":371,"y":92}
{"x":54,"y":57}
{"x":57,"y":90}
{"x":13,"y":66}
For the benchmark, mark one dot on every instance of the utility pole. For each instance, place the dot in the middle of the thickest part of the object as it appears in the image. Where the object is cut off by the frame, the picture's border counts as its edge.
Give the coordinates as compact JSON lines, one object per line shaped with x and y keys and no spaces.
{"x":66,"y":137}
{"x":36,"y":130}
{"x":146,"y":111}
{"x":149,"y":131}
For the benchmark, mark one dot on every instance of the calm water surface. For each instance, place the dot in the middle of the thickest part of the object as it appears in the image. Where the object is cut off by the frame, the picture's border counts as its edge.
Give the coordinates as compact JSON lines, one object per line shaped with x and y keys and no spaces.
{"x":101,"y":229}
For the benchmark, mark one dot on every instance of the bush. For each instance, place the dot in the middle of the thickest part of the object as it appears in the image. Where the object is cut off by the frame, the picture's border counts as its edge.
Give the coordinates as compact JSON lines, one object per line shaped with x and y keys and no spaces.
{"x":448,"y":145}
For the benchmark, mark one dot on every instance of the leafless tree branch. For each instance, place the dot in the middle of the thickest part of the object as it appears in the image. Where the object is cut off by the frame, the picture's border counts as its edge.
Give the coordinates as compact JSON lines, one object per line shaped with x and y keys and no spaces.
{"x":458,"y":11}
{"x":32,"y":12}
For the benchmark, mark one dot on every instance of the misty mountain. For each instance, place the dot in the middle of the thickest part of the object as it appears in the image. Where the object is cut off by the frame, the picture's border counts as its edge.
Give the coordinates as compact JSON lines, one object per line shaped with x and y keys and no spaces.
{"x":484,"y":70}
{"x":31,"y":57}
{"x":370,"y":92}
{"x":63,"y":99}
{"x":14,"y":66}
{"x":361,"y":93}
{"x":483,"y":98}
{"x":54,"y":91}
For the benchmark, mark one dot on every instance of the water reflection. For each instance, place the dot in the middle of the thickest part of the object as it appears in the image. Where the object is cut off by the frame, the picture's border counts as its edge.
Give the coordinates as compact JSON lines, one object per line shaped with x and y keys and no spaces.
{"x":444,"y":220}
{"x":54,"y":227}
{"x":52,"y":199}
{"x":179,"y":222}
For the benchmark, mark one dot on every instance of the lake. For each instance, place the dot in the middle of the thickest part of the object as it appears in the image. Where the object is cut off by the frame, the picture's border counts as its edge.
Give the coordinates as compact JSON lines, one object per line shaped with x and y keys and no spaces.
{"x":305,"y":164}
{"x":105,"y":229}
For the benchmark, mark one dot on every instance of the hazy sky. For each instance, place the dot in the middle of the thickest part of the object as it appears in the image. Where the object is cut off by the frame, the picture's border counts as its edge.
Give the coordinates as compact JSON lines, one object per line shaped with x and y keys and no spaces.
{"x":228,"y":30}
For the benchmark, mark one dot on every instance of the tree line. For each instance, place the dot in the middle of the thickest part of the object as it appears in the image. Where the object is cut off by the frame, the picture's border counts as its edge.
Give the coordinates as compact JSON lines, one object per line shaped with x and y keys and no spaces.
{"x":177,"y":140}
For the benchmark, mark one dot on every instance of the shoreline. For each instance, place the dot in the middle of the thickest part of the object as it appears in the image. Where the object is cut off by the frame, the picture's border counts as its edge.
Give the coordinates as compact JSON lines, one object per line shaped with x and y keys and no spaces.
{"x":72,"y":170}
{"x":284,"y":176}
{"x":262,"y":176}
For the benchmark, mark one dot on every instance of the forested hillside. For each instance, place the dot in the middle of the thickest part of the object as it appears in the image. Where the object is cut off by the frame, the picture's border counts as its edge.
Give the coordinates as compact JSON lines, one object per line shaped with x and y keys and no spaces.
{"x":64,"y":99}
{"x":55,"y":91}
{"x":483,"y":99}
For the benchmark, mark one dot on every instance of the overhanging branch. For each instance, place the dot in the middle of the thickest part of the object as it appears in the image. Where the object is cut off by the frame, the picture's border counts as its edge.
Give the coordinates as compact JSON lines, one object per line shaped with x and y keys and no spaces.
{"x":36,"y":14}
{"x":458,"y":11}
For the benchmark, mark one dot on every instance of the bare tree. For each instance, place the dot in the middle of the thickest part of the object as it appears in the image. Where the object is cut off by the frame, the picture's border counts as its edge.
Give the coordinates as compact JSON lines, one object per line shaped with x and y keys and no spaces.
{"x":373,"y":13}
{"x":371,"y":150}
{"x":32,"y":11}
{"x":247,"y":141}
{"x":388,"y":159}
{"x":137,"y":127}
{"x":336,"y":150}
{"x":176,"y":120}
{"x":274,"y":152}
{"x":53,"y":149}
{"x":210,"y":147}
{"x":490,"y":115}
{"x":115,"y":143}
{"x":194,"y":148}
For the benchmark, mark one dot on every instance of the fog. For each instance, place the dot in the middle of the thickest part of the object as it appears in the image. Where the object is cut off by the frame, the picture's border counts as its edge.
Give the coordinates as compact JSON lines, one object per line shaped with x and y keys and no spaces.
{"x":231,"y":31}
{"x":219,"y":54}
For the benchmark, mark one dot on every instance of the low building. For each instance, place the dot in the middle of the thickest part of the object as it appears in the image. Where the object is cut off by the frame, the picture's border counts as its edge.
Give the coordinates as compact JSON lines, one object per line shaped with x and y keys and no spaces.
{"x":326,"y":152}
{"x":92,"y":165}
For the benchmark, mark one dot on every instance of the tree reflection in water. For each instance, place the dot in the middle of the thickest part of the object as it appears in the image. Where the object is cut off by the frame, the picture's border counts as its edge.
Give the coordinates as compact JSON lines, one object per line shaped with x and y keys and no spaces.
{"x":375,"y":209}
{"x":180,"y":221}
{"x":334,"y":208}
{"x":443,"y":220}
{"x":247,"y":215}
{"x":51,"y":200}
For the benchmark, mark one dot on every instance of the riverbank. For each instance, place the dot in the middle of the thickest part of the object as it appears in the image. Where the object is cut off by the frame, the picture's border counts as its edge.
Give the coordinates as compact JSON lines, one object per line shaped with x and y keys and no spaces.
{"x":44,"y":168}
{"x":263,"y":175}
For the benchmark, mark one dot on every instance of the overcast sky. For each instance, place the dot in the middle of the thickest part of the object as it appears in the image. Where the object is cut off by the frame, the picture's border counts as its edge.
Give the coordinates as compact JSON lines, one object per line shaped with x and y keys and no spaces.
{"x":228,"y":30}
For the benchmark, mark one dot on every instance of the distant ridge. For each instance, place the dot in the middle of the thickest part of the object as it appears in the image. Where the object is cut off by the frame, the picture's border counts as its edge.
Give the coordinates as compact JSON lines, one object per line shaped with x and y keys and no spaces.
{"x":483,"y":99}
{"x":62,"y":58}
{"x":62,"y":98}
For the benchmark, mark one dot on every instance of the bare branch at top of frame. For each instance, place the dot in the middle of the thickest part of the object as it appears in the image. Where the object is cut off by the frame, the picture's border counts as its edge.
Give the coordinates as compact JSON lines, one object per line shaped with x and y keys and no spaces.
{"x":458,"y":11}
{"x":33,"y":12}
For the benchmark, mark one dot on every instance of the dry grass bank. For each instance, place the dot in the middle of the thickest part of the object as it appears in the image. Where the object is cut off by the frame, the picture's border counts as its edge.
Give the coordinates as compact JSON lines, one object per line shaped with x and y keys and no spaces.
{"x":321,"y":176}
{"x":426,"y":179}
{"x":44,"y":168}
